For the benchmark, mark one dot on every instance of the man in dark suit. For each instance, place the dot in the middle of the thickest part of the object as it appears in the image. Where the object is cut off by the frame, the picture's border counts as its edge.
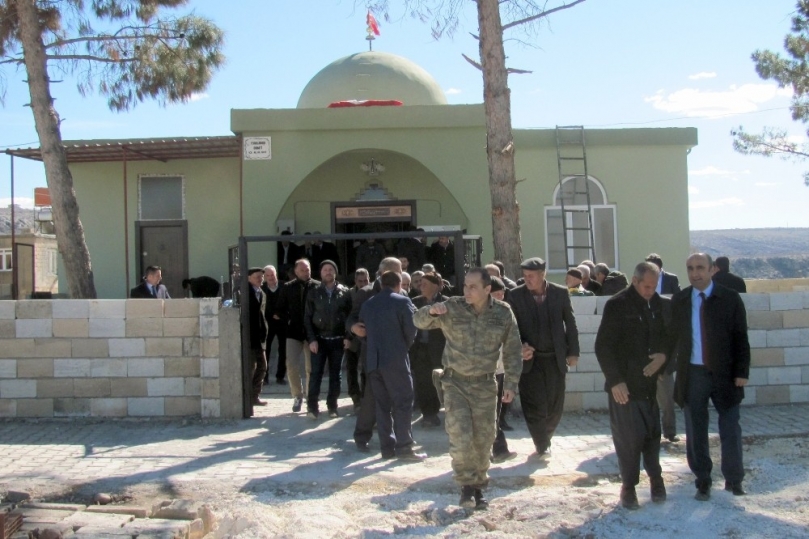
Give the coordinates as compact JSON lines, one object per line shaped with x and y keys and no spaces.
{"x":727,"y":279}
{"x":323,"y":250}
{"x":257,"y":305}
{"x":426,"y":353}
{"x":667,"y":283}
{"x":550,"y":344}
{"x":276,"y":329}
{"x":288,"y":254}
{"x":150,"y":287}
{"x":713,"y":363}
{"x":388,"y":319}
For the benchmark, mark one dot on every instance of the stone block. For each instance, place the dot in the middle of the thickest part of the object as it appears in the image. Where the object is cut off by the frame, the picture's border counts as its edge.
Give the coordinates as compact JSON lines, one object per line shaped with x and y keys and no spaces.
{"x":31,"y":328}
{"x":766,"y":357}
{"x":108,"y":407}
{"x":136,"y":308}
{"x":796,"y":319}
{"x":108,"y":308}
{"x":796,"y":356}
{"x":34,"y":368}
{"x":210,"y":367}
{"x":107,"y":327}
{"x":181,"y":308}
{"x":35,"y":309}
{"x":596,"y":400}
{"x":749,"y":395}
{"x":588,"y":323}
{"x":144,"y":327}
{"x":783,"y":338}
{"x":128,"y":387}
{"x":181,"y":327}
{"x":52,"y":348}
{"x":197,"y":529}
{"x":786,"y":301}
{"x":182,"y":366}
{"x":71,"y":308}
{"x":210,"y":347}
{"x":8,"y":368}
{"x":211,"y":408}
{"x":92,"y":387}
{"x":765,"y":320}
{"x":16,"y":348}
{"x":574,"y":402}
{"x":82,"y":519}
{"x":191,"y":346}
{"x":164,"y":387}
{"x":136,"y":511}
{"x":46,"y":516}
{"x":71,"y":327}
{"x":756,"y":302}
{"x":8,"y":310}
{"x":54,"y":506}
{"x":210,"y":388}
{"x":164,"y":347}
{"x":208,"y":306}
{"x":108,"y":368}
{"x":87,"y":348}
{"x":144,"y":407}
{"x":580,"y":382}
{"x":8,"y":408}
{"x":146,"y":367}
{"x":193,"y":387}
{"x":34,"y":407}
{"x":798,"y":393}
{"x":18,"y":389}
{"x":772,"y":395}
{"x":758,"y":377}
{"x":71,"y":368}
{"x":8,"y":329}
{"x":127,"y":347}
{"x":54,"y":388}
{"x":804,"y":336}
{"x":70,"y":407}
{"x":182,"y":406}
{"x":158,"y":527}
{"x":584,"y":304}
{"x":587,"y":343}
{"x":587,"y":363}
{"x":805,"y":375}
{"x":783,"y":375}
{"x":209,"y":326}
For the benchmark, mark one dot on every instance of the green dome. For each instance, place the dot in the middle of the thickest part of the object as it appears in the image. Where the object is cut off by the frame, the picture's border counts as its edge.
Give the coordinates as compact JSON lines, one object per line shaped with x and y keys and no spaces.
{"x":371,"y":75}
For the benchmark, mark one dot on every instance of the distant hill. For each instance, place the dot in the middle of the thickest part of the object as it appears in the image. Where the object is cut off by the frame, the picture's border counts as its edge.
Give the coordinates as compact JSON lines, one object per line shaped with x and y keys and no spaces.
{"x":758,"y":253}
{"x":24,"y":220}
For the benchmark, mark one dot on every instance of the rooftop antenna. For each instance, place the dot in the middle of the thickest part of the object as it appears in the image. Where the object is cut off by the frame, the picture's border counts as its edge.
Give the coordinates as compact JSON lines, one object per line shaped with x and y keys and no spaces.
{"x":372,"y":29}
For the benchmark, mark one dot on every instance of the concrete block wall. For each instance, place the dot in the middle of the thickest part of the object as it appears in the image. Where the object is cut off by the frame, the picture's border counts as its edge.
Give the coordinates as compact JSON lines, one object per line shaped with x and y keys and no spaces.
{"x":778,"y":331}
{"x":109,"y":358}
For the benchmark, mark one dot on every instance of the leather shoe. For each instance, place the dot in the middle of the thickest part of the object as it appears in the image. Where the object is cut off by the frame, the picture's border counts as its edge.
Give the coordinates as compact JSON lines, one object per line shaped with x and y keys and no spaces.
{"x":703,"y":491}
{"x":280,"y":381}
{"x":673,"y":438}
{"x":296,"y":404}
{"x":658,"y":488}
{"x":502,"y":457}
{"x":259,"y":402}
{"x":362,"y":447}
{"x":629,"y":499}
{"x":430,"y":421}
{"x":481,"y":503}
{"x":411,"y":456}
{"x":735,"y":488}
{"x":467,"y":497}
{"x":504,"y":426}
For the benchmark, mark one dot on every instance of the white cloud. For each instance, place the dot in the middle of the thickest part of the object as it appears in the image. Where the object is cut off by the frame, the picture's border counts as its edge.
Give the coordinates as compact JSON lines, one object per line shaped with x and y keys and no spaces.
{"x":766,"y":184}
{"x":693,"y":190}
{"x":711,"y":170}
{"x":703,"y":75}
{"x":712,"y":104}
{"x":453,"y":91}
{"x":732,"y":201}
{"x":23,"y":202}
{"x":198,"y":97}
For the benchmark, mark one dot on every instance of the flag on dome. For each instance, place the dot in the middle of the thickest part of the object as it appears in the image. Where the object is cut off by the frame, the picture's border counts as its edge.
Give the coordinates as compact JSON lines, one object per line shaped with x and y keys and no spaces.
{"x":372,"y":25}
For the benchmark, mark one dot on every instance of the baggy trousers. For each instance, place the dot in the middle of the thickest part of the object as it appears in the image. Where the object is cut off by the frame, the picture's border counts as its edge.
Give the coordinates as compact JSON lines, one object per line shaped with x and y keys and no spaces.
{"x":299,"y":363}
{"x":542,"y":394}
{"x":635,"y":430}
{"x":259,"y":370}
{"x":393,"y":391}
{"x":665,"y":400}
{"x":422,"y":366}
{"x":500,"y":446}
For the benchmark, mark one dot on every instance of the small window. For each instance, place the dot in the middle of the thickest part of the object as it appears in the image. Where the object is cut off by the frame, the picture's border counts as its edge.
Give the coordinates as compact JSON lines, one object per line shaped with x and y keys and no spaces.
{"x":53,"y":261}
{"x":162,"y":197}
{"x":5,"y":260}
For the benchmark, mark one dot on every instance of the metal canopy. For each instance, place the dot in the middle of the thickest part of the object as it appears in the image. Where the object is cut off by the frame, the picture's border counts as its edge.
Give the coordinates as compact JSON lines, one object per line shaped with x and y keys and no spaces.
{"x":141,"y":149}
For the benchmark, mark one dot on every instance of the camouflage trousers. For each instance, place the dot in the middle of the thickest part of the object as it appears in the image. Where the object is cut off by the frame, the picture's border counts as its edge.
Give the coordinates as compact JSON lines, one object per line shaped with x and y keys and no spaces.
{"x":471,"y":417}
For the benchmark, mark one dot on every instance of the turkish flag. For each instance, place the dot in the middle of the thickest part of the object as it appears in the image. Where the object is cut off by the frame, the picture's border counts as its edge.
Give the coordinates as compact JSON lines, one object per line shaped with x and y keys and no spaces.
{"x":372,"y":25}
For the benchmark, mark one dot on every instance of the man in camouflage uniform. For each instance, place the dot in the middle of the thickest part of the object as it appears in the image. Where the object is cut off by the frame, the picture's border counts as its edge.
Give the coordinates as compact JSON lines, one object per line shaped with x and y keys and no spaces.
{"x":476,"y":326}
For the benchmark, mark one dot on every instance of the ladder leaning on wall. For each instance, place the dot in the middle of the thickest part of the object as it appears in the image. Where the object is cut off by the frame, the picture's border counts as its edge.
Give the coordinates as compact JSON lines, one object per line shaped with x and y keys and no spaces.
{"x":577,"y":214}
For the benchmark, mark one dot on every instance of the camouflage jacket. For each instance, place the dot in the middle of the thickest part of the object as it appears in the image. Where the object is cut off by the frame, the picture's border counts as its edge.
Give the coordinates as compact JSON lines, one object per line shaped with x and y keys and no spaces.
{"x":474,"y":341}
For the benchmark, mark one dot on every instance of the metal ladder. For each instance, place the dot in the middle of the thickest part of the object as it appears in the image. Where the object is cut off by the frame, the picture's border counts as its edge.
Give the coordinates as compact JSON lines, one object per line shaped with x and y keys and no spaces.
{"x":571,"y":157}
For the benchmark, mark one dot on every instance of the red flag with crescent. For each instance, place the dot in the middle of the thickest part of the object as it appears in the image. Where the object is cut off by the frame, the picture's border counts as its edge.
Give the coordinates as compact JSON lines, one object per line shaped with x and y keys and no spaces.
{"x":372,"y":25}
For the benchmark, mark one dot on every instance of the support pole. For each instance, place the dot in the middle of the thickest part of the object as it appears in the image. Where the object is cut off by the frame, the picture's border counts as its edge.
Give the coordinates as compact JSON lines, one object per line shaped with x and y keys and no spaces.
{"x":126,"y":231}
{"x":13,"y":238}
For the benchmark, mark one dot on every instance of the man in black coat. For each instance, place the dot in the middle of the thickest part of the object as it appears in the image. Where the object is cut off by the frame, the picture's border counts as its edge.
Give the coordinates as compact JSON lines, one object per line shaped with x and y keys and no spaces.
{"x":150,"y":287}
{"x":257,"y":305}
{"x":667,"y":283}
{"x":550,"y":344}
{"x":727,"y":279}
{"x":426,"y":353}
{"x":709,"y":330}
{"x":324,"y":250}
{"x":442,"y":255}
{"x":276,"y":329}
{"x":287,"y":254}
{"x":631,"y":348}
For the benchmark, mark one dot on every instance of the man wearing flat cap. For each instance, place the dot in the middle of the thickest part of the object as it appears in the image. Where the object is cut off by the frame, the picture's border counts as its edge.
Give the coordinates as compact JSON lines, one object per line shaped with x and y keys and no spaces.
{"x":550,"y":343}
{"x":573,"y":281}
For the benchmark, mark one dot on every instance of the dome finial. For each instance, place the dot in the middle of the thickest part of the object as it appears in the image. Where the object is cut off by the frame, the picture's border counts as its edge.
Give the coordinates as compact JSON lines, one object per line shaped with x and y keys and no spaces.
{"x":372,"y":29}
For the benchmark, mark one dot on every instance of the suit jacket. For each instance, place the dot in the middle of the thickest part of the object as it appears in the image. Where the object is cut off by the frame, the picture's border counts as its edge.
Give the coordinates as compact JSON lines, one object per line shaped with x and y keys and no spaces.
{"x":562,"y":322}
{"x":326,"y":251}
{"x":436,"y":339}
{"x":142,"y":292}
{"x":671,"y":284}
{"x":730,"y":280}
{"x":728,"y":347}
{"x":258,"y":320}
{"x":293,"y":254}
{"x":388,"y":319}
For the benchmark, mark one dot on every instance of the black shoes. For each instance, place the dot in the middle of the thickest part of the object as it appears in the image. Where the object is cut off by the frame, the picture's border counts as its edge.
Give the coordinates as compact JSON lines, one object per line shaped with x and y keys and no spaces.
{"x":280,"y":381}
{"x":296,"y":404}
{"x":673,"y":438}
{"x":430,"y":421}
{"x":481,"y":503}
{"x":411,"y":456}
{"x":467,"y":497}
{"x":312,"y":414}
{"x":703,"y":491}
{"x":504,"y":456}
{"x":259,"y":402}
{"x":362,"y":447}
{"x":735,"y":488}
{"x":504,"y":426}
{"x":333,"y":413}
{"x":629,"y":499}
{"x":658,"y":489}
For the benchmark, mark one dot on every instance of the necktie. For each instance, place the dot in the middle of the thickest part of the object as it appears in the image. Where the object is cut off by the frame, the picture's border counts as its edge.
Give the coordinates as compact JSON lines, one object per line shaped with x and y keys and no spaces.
{"x":706,"y":357}
{"x":151,"y":290}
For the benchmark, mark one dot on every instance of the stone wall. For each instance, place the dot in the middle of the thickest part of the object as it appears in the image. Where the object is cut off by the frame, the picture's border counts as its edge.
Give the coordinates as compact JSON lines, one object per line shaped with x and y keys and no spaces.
{"x":778,"y":330}
{"x":110,"y":358}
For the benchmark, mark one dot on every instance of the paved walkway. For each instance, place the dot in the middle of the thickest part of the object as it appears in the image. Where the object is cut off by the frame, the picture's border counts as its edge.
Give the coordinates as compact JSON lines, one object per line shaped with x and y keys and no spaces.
{"x":281,"y":450}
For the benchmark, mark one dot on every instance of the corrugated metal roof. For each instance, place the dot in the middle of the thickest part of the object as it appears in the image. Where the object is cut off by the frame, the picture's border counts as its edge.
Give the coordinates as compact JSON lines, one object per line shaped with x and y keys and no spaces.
{"x":141,"y":149}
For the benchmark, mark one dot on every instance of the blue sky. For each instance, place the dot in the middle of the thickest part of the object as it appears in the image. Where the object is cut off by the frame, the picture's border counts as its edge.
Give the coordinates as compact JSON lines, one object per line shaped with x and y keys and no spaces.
{"x":604,"y":64}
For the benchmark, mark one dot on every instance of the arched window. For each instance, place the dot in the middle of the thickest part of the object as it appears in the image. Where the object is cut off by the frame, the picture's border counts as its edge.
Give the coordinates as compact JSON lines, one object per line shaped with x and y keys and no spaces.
{"x":573,"y":191}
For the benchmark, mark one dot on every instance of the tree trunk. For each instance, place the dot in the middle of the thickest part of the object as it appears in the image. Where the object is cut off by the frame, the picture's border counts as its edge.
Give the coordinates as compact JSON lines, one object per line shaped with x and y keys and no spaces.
{"x":499,"y":141}
{"x":69,"y":231}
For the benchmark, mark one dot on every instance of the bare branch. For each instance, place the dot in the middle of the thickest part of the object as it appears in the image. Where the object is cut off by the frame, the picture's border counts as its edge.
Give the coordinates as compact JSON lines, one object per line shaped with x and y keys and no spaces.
{"x":90,"y":58}
{"x":474,"y":63}
{"x":517,"y":71}
{"x":475,"y":37}
{"x":512,"y":24}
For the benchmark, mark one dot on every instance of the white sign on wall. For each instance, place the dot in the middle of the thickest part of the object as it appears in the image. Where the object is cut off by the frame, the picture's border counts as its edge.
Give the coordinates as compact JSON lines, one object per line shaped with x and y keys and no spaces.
{"x":257,"y":148}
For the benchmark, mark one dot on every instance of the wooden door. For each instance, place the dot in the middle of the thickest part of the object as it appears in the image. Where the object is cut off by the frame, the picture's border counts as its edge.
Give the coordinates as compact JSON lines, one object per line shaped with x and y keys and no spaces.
{"x":164,"y":244}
